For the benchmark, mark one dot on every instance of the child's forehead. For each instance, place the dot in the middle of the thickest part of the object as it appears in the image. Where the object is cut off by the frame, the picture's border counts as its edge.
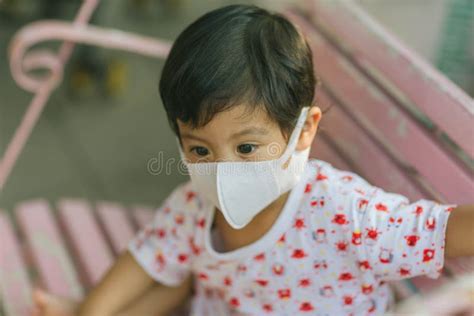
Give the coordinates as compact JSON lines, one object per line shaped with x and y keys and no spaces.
{"x":236,"y":119}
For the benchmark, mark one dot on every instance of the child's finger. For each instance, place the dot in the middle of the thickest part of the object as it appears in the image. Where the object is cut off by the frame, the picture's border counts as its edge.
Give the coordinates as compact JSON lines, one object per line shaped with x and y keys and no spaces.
{"x":39,"y":296}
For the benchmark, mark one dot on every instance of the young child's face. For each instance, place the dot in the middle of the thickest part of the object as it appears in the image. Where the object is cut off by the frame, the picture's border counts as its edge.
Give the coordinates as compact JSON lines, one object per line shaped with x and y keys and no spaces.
{"x":236,"y":135}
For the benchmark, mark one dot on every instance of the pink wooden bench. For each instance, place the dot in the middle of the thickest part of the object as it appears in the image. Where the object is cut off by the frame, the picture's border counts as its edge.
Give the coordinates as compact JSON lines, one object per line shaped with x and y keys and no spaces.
{"x":67,"y":247}
{"x":64,"y":248}
{"x":394,"y":119}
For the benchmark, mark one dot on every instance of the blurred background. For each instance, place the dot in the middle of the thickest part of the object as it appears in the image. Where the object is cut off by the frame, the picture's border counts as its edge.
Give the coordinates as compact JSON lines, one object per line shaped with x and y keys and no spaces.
{"x":104,"y":125}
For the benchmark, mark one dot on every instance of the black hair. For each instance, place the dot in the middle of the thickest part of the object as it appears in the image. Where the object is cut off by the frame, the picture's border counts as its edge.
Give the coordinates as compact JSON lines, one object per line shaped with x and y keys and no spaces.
{"x":238,"y":54}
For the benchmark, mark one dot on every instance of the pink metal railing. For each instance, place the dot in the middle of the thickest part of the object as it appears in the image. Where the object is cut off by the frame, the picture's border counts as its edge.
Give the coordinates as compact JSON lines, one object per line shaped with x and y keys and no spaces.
{"x":23,"y":61}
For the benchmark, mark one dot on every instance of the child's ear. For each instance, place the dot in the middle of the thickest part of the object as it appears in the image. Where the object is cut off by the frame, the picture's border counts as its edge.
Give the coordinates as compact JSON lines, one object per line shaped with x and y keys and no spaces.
{"x":310,"y":128}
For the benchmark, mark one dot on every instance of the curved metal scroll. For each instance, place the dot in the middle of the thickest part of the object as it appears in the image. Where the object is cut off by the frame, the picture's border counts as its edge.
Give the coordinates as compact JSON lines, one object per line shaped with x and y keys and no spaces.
{"x":23,"y":61}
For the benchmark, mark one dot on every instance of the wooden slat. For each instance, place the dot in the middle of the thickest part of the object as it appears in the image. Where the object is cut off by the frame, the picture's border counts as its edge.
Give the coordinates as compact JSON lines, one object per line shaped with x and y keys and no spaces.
{"x":396,"y":130}
{"x":320,"y":149}
{"x":142,"y":215}
{"x":407,"y":287}
{"x":15,"y":287}
{"x":369,"y":158}
{"x":89,"y":243}
{"x":55,"y":267}
{"x":378,"y":51}
{"x":424,"y":284}
{"x":461,"y":265}
{"x":116,"y":223}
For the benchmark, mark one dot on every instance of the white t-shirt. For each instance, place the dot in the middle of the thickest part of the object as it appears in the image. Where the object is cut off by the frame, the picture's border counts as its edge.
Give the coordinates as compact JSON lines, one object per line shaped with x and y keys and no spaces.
{"x":334,"y":245}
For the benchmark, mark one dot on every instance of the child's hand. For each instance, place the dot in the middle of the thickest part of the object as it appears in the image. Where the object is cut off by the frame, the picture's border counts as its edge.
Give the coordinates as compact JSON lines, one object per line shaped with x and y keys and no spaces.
{"x":49,"y":305}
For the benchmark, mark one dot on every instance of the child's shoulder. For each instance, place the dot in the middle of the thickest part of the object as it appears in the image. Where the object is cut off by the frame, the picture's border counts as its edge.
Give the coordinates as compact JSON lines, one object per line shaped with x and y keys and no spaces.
{"x":326,"y":178}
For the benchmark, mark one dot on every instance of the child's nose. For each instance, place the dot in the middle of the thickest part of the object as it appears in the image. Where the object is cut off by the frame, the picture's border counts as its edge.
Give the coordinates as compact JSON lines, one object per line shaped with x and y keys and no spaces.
{"x":224,"y":155}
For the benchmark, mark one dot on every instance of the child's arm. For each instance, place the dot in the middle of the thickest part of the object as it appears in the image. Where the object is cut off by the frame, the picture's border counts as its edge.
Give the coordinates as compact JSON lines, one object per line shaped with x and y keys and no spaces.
{"x":124,"y":282}
{"x":123,"y":285}
{"x":161,"y":253}
{"x":460,"y":232}
{"x":392,"y":237}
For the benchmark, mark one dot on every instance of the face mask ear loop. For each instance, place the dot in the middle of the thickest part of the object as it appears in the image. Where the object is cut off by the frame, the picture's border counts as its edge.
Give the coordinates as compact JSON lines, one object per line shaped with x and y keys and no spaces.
{"x":181,"y":153}
{"x":295,"y":135}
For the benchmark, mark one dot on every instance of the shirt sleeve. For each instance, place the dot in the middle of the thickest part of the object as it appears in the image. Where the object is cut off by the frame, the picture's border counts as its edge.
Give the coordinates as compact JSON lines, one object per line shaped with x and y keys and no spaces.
{"x":163,"y":247}
{"x":390,"y":237}
{"x":401,"y":239}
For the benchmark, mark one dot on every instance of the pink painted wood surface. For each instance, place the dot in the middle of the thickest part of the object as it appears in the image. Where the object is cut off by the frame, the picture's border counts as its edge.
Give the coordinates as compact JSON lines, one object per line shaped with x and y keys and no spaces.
{"x":15,"y":287}
{"x":375,"y":48}
{"x":460,"y":265}
{"x":115,"y":220}
{"x":88,"y":241}
{"x":369,"y":158}
{"x":322,"y":150}
{"x":53,"y":262}
{"x":142,"y":215}
{"x":424,"y":284}
{"x":413,"y":145}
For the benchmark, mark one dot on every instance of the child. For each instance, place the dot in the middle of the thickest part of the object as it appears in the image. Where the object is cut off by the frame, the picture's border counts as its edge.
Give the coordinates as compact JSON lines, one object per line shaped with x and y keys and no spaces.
{"x":260,"y":229}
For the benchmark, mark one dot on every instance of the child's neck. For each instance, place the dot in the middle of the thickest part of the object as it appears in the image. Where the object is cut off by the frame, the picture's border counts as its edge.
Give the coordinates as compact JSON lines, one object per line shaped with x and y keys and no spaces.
{"x":236,"y":238}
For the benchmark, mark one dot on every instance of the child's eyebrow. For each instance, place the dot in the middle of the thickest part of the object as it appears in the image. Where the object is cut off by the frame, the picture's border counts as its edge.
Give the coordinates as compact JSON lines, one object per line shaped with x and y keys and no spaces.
{"x":251,"y":130}
{"x":190,"y":136}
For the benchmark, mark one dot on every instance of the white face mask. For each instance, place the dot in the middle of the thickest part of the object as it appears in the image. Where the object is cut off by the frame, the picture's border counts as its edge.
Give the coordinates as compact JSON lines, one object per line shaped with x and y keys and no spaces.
{"x":240,"y":190}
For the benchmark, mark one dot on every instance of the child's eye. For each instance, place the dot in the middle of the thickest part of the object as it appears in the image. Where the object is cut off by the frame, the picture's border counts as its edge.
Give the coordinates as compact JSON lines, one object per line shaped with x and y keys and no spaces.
{"x":246,"y":148}
{"x":200,"y":151}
